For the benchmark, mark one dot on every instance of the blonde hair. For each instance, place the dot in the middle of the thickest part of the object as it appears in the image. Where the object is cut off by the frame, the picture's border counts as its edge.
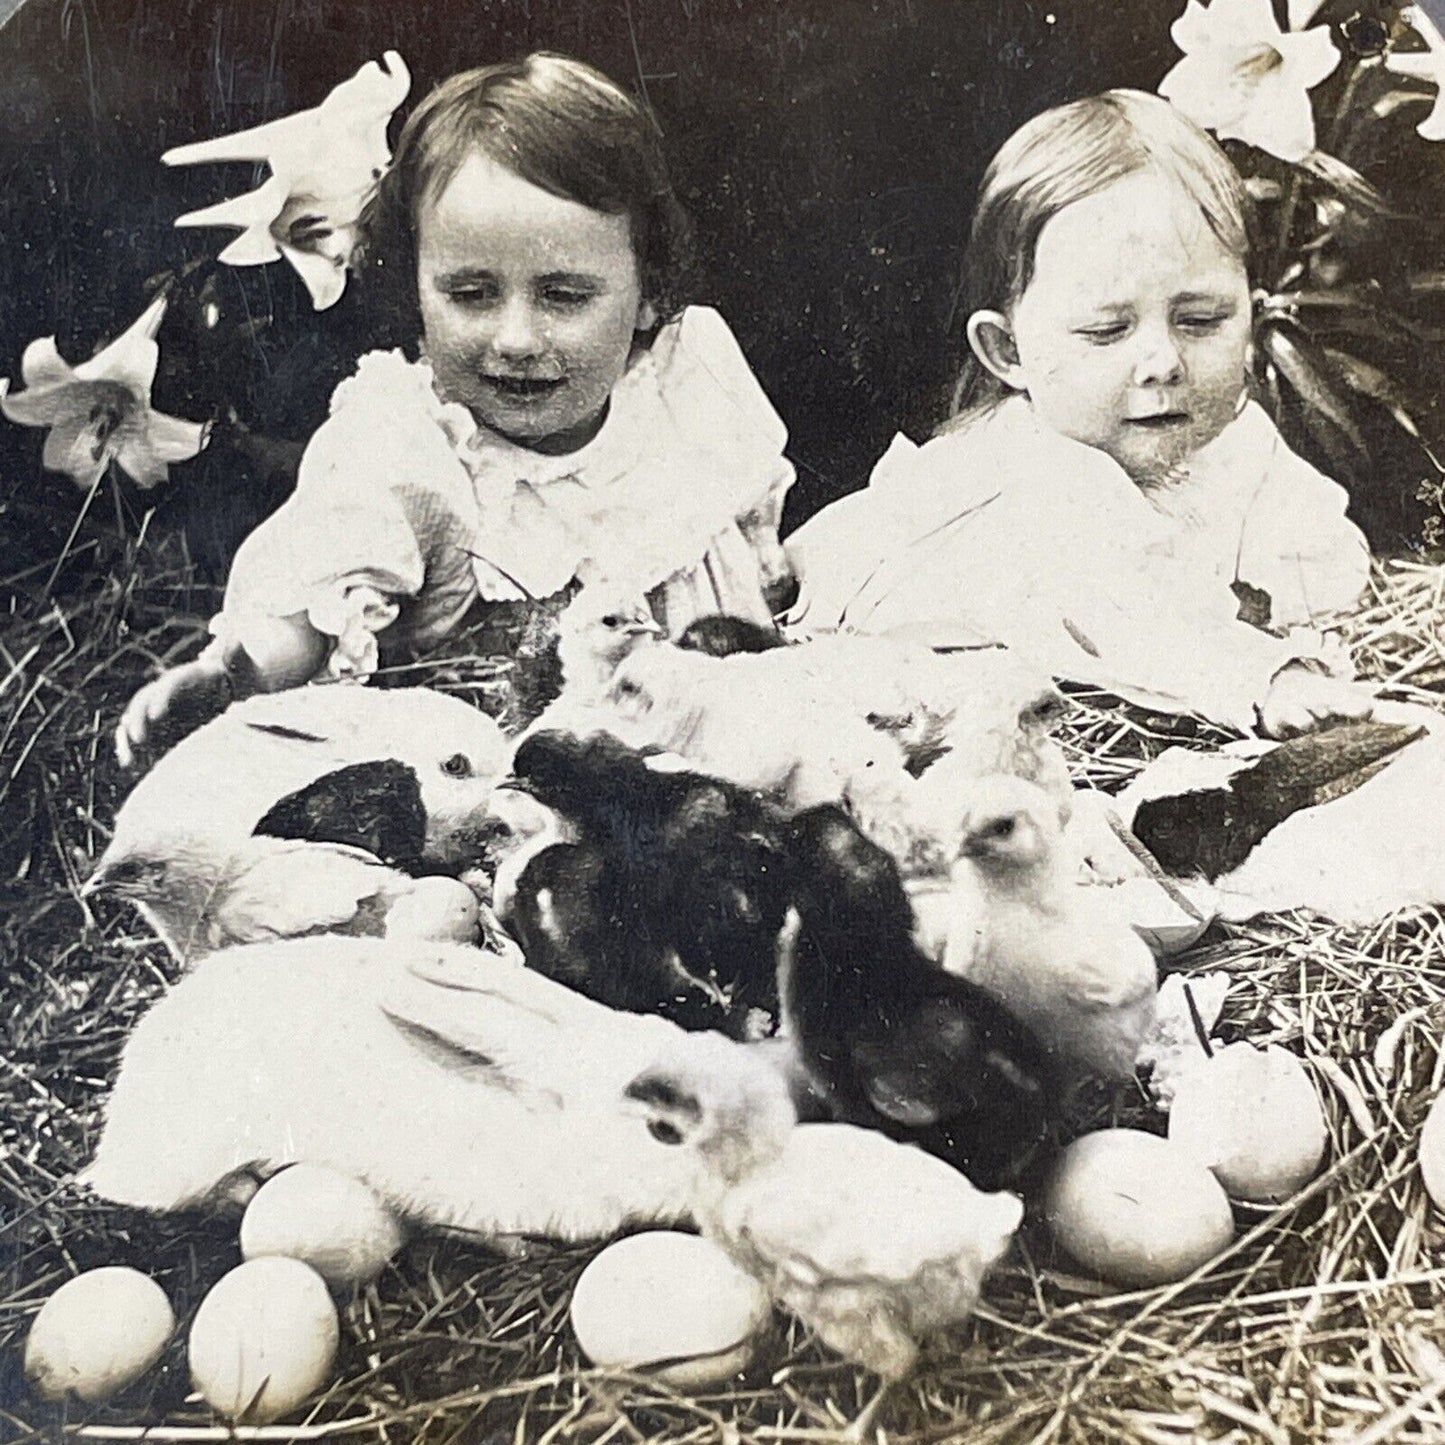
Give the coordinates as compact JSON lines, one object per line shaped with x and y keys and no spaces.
{"x":1065,"y":155}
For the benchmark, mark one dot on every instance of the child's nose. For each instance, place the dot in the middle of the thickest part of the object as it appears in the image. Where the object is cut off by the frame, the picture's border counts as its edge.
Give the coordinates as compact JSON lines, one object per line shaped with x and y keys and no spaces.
{"x":515,"y":330}
{"x":1159,"y":362}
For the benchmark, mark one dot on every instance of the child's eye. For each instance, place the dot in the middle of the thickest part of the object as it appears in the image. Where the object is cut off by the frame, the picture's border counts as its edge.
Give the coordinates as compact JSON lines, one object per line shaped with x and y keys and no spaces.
{"x":566,"y":298}
{"x":1202,"y":323}
{"x":1104,"y":333}
{"x":477,"y":295}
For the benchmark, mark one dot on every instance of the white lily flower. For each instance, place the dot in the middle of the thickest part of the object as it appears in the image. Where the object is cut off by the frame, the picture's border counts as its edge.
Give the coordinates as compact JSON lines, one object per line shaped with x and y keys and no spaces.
{"x":276,"y":221}
{"x":101,"y":409}
{"x":1244,"y":77}
{"x":324,"y":162}
{"x":1428,"y":64}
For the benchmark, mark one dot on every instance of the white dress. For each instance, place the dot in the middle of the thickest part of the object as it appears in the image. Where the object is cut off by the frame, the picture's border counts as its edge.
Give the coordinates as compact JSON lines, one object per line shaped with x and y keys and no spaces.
{"x":406,"y":510}
{"x":1007,"y":532}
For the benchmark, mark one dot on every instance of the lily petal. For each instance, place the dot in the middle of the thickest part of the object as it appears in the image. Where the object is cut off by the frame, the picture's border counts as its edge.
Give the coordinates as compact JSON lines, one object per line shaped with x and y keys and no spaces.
{"x":1244,"y":78}
{"x":324,"y":276}
{"x":45,"y":405}
{"x":42,"y":363}
{"x":1301,"y":12}
{"x":341,"y":141}
{"x":145,"y":451}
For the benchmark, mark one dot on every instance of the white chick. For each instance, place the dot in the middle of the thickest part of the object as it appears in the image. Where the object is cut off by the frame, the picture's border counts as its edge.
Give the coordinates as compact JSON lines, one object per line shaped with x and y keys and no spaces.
{"x":873,"y":1244}
{"x":600,"y":626}
{"x":1058,"y":954}
{"x":786,"y":739}
{"x":982,"y":703}
{"x":201,"y":898}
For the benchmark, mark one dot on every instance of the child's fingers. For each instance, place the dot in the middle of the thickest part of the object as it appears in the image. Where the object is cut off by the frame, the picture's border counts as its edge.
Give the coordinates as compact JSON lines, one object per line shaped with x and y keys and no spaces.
{"x":141,"y":713}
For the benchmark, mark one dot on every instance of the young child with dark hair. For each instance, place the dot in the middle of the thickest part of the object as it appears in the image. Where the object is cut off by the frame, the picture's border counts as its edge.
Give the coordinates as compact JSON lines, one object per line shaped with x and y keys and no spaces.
{"x":561,"y":420}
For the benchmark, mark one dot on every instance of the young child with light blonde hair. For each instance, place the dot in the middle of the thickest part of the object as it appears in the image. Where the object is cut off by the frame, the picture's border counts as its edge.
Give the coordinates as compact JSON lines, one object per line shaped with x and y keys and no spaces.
{"x":1107,"y":498}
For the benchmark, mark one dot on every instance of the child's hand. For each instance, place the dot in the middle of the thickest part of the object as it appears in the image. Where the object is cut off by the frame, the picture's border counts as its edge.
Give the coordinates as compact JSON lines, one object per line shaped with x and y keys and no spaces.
{"x":176,"y":703}
{"x":1300,"y":700}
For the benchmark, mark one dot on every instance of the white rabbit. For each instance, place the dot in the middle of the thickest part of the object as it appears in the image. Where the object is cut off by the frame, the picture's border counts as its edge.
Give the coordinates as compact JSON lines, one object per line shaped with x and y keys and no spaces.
{"x":466,"y":1093}
{"x":426,"y":758}
{"x":206,"y":843}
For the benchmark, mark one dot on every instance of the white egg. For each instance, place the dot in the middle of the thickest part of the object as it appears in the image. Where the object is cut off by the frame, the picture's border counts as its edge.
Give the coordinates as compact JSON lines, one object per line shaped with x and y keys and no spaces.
{"x":326,"y":1219}
{"x":663,"y":1295}
{"x":1432,"y":1152}
{"x":1252,"y":1117}
{"x":264,"y":1340}
{"x":98,"y":1333}
{"x":1136,"y":1209}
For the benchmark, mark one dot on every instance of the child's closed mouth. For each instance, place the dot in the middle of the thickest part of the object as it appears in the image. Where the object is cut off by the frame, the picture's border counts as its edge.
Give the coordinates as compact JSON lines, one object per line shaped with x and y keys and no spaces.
{"x":523,"y":386}
{"x":1159,"y":419}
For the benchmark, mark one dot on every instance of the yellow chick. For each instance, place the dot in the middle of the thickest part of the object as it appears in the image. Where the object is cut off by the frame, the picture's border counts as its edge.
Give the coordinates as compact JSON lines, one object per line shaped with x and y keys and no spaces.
{"x":873,"y":1244}
{"x":1059,"y":955}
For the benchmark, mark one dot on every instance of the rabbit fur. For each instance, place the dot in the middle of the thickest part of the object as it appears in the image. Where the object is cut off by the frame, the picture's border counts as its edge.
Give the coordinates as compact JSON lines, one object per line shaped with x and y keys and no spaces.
{"x":467,"y":1093}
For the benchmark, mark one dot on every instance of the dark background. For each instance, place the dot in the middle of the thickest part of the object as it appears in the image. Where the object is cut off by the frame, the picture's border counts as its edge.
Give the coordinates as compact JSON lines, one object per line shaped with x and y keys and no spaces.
{"x":827,"y":150}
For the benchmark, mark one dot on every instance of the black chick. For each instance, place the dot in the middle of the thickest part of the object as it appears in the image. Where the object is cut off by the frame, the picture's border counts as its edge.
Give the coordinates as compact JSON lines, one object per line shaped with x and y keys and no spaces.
{"x":895,"y":1043}
{"x":721,"y":636}
{"x":673,"y":900}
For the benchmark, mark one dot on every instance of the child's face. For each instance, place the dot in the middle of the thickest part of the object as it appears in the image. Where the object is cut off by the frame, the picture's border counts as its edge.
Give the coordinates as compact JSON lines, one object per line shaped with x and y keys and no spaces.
{"x":1132,"y":334}
{"x":529,"y":303}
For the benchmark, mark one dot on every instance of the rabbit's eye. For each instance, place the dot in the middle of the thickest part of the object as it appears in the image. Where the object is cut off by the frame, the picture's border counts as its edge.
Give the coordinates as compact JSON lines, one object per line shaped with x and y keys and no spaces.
{"x":459,"y":765}
{"x":1001,"y":828}
{"x":664,"y":1132}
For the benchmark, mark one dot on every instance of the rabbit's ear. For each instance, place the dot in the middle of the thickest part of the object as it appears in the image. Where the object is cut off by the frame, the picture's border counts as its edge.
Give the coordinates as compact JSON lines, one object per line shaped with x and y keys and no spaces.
{"x":375,"y":806}
{"x":448,"y":1053}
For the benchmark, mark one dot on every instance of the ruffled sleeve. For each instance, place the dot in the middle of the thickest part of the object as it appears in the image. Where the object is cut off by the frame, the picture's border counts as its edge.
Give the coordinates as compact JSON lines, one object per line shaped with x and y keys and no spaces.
{"x":378,"y":527}
{"x":708,"y":389}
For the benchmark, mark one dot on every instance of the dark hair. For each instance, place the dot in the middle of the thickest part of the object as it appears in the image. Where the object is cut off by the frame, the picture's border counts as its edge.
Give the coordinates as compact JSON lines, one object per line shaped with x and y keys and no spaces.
{"x":1065,"y":155}
{"x":553,"y":121}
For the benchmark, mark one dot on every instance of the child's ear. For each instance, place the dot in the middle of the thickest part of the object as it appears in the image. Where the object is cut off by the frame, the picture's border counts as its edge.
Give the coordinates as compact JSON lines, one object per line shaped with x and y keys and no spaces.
{"x":992,"y":339}
{"x":646,"y":316}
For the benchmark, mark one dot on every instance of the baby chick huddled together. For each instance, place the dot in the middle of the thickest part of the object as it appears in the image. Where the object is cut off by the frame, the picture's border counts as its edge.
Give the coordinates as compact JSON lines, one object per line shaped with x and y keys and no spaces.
{"x":847,"y":855}
{"x":904,"y":808}
{"x":855,"y":852}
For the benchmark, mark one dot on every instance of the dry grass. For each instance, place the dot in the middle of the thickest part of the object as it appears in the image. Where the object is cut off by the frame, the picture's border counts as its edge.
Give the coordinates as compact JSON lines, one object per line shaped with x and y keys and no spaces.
{"x":1319,"y":1324}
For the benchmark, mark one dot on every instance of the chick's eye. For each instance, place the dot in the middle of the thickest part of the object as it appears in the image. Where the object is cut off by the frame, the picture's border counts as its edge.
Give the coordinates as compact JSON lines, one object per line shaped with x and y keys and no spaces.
{"x":664,"y":1132}
{"x":612,"y":620}
{"x":459,"y":765}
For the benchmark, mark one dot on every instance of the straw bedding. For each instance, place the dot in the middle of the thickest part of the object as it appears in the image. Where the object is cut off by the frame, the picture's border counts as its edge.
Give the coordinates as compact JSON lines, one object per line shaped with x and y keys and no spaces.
{"x":1321,"y":1323}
